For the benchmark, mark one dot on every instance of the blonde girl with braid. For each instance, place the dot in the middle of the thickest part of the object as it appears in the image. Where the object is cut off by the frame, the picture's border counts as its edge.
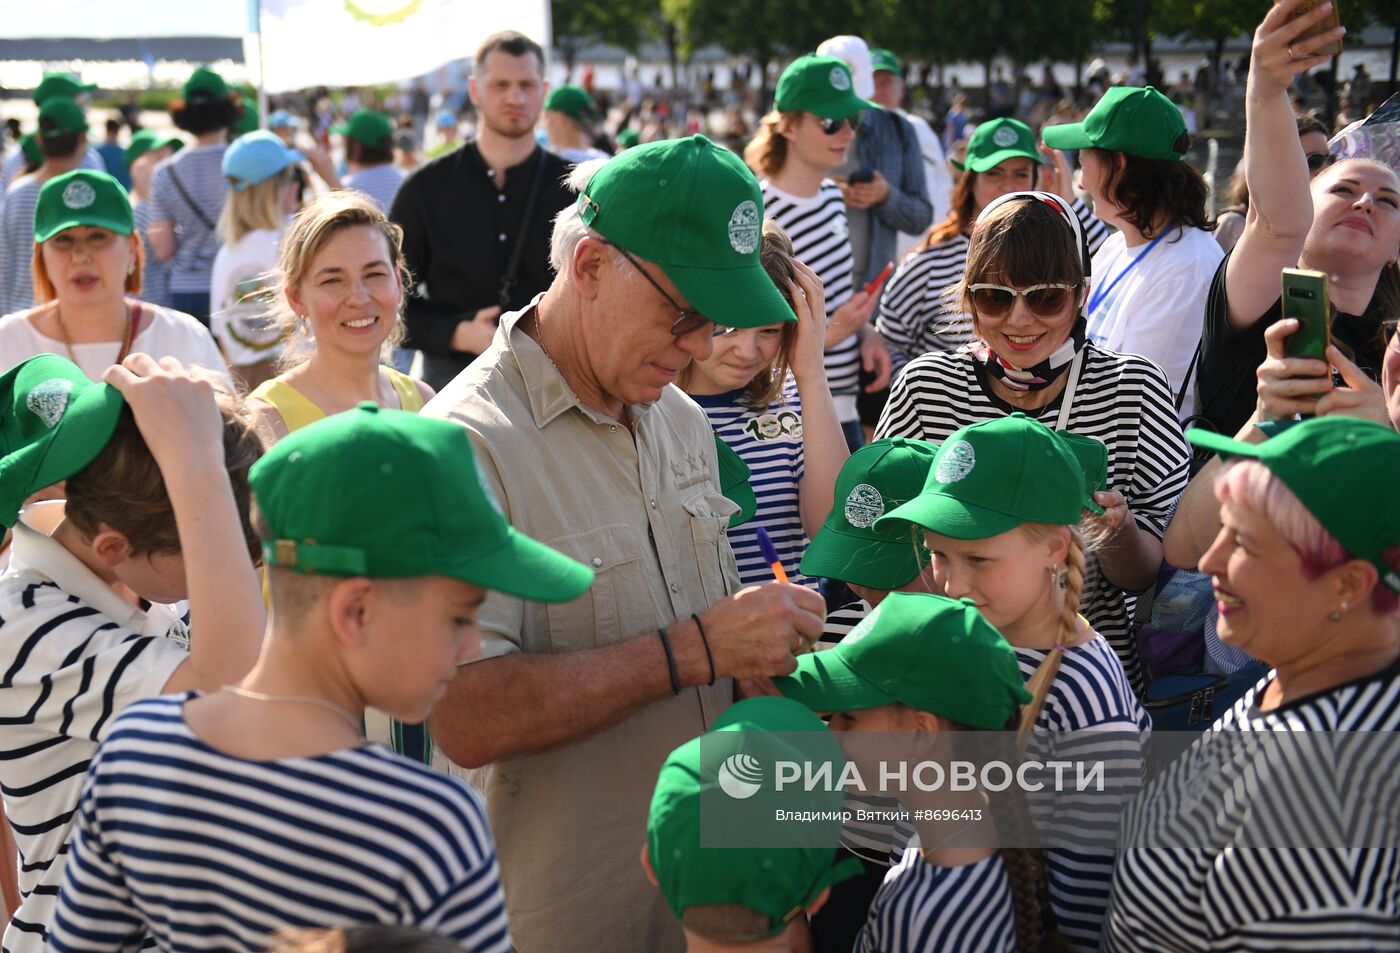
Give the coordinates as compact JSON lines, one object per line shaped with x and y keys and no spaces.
{"x":926,"y":678}
{"x":1008,"y":516}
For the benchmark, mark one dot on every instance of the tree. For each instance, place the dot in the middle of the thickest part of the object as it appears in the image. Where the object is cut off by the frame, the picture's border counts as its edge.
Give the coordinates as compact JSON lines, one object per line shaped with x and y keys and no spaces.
{"x":581,"y":23}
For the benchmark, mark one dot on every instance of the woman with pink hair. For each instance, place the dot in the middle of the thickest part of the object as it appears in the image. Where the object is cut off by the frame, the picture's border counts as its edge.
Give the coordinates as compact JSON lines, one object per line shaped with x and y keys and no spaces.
{"x":1306,"y":574}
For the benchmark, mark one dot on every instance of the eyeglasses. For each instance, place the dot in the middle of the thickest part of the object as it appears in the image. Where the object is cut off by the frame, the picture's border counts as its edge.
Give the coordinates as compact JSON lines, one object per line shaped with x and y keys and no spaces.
{"x":832,"y":126}
{"x":1317,"y":161}
{"x":689,"y":321}
{"x":1046,"y":300}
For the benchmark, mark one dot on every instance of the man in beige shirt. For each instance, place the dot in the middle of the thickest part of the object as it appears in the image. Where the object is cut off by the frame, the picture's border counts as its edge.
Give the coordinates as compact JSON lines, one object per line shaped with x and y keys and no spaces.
{"x":571,"y":709}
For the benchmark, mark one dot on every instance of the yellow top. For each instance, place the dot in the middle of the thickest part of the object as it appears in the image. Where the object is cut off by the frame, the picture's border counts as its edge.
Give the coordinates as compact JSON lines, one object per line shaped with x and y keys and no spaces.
{"x":297,"y":410}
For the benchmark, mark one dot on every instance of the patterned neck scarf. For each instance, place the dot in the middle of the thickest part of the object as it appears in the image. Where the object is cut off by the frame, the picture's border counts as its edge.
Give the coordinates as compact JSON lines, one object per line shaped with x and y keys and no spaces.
{"x":1040,"y":376}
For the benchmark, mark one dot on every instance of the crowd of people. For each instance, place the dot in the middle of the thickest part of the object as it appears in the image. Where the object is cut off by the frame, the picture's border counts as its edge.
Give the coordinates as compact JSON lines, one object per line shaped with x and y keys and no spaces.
{"x":392,"y":555}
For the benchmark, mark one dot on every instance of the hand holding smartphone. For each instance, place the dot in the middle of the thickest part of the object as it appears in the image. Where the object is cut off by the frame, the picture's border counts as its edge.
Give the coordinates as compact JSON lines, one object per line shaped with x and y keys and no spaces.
{"x":879,"y":279}
{"x":1329,"y":22}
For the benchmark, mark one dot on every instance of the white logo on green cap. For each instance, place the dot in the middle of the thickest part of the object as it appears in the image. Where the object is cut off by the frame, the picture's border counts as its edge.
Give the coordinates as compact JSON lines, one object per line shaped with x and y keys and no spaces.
{"x":49,"y":400}
{"x":1005,"y":137}
{"x":840,"y":79}
{"x":79,"y":195}
{"x":864,"y":506}
{"x":745,"y":227}
{"x":957,"y":462}
{"x":740,"y":776}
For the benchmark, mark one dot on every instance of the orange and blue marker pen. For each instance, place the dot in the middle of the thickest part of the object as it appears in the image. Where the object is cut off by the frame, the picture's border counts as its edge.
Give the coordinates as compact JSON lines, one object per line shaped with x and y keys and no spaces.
{"x":765,"y":546}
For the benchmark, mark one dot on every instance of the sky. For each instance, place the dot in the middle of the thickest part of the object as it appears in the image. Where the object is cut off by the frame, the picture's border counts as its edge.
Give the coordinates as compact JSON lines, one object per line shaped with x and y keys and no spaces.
{"x":123,"y":18}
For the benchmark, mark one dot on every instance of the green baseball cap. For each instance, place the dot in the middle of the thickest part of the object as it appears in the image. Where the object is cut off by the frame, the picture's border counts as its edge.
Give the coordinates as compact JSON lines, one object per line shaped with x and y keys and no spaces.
{"x":317,"y":487}
{"x":734,"y":476}
{"x":877,"y":478}
{"x":1330,"y":464}
{"x":628,"y":138}
{"x":248,"y":120}
{"x":204,"y":85}
{"x":884,"y":60}
{"x":776,"y":881}
{"x":82,"y":197}
{"x":1137,"y":120}
{"x":573,"y":101}
{"x":993,"y":476}
{"x":993,"y":142}
{"x":53,"y":423}
{"x":929,"y":652}
{"x":60,"y":84}
{"x":367,"y":126}
{"x":696,"y":210}
{"x":148,"y":140}
{"x":29,"y":145}
{"x":61,"y":116}
{"x":820,"y":85}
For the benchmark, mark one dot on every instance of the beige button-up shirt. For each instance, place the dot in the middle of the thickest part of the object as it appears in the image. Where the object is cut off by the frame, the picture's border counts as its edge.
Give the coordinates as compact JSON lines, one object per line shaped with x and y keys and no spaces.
{"x":645,"y":511}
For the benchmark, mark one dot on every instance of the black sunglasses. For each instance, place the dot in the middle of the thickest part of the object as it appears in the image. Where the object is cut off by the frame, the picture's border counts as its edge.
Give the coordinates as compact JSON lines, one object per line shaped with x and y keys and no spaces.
{"x":832,"y":126}
{"x":1317,"y":161}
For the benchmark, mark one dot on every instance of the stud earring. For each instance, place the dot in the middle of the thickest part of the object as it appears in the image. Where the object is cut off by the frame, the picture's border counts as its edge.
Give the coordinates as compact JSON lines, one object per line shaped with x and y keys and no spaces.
{"x":131,"y":268}
{"x":1336,"y":615}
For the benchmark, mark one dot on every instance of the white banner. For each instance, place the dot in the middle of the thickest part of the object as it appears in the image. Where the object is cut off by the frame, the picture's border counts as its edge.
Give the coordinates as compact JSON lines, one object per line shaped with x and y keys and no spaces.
{"x":362,"y":42}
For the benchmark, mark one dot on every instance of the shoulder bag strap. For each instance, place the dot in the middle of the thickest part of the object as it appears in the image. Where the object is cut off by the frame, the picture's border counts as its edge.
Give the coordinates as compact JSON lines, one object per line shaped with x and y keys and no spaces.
{"x":507,"y":285}
{"x":1186,"y":381}
{"x":198,"y":212}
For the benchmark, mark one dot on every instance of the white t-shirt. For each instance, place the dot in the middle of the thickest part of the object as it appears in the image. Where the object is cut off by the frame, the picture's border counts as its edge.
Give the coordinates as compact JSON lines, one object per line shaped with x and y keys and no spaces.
{"x":164,"y":333}
{"x":1156,"y":309}
{"x":937,"y":176}
{"x":76,"y":655}
{"x":239,"y":315}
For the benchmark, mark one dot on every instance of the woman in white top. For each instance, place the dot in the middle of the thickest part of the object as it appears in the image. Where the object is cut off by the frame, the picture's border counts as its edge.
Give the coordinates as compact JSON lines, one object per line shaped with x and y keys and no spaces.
{"x":87,"y":271}
{"x":1152,"y":277}
{"x":261,"y":173}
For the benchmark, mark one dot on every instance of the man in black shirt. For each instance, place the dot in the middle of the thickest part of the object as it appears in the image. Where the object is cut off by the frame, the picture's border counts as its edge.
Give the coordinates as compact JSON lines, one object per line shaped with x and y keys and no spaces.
{"x":477,"y":220}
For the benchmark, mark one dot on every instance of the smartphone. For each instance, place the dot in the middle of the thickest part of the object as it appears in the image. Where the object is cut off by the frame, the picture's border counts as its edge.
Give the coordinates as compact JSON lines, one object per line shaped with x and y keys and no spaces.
{"x":1305,"y":299}
{"x":879,"y":279}
{"x":1329,"y":22}
{"x":860,"y":177}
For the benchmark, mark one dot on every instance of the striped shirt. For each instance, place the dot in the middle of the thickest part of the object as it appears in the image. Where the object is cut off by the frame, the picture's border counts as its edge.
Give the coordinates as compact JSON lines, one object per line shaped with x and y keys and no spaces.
{"x":200,"y":172}
{"x":821,"y":241}
{"x":1208,"y":886}
{"x":915,"y":315}
{"x":203,"y":850}
{"x":1091,"y":715}
{"x":75,"y":655}
{"x":17,"y":245}
{"x":921,"y":908}
{"x":379,"y":182}
{"x":769,"y":440}
{"x":155,"y":274}
{"x":1121,"y":400}
{"x":13,"y":169}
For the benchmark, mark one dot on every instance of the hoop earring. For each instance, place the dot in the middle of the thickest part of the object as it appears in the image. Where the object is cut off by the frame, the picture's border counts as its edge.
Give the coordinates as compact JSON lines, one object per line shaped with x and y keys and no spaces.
{"x":1057,"y":574}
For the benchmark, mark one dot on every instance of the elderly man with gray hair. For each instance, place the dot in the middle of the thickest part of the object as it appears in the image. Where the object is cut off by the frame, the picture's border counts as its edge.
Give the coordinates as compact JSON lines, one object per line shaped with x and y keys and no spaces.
{"x":571,"y":709}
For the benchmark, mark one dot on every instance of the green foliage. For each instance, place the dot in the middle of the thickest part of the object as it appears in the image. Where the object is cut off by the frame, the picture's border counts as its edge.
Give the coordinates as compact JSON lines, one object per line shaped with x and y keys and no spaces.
{"x":624,"y":23}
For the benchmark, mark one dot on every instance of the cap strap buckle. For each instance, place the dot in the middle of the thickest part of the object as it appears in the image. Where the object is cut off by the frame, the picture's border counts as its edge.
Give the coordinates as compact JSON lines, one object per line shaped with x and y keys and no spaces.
{"x":310,"y":556}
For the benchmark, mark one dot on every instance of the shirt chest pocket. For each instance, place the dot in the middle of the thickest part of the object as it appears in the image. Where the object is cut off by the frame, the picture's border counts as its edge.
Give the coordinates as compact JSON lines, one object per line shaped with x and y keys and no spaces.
{"x":709,"y":521}
{"x":594,"y":618}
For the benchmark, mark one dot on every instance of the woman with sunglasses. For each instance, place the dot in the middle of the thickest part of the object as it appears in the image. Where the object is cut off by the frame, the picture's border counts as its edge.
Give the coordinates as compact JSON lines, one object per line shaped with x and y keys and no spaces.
{"x":1152,"y":275}
{"x":800,"y":143}
{"x":1345,"y":224}
{"x":918,"y":309}
{"x":1026,"y":286}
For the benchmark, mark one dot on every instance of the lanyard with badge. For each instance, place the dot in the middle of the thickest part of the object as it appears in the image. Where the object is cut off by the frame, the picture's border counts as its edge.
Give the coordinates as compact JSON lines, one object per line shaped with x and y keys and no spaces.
{"x":1097,"y":298}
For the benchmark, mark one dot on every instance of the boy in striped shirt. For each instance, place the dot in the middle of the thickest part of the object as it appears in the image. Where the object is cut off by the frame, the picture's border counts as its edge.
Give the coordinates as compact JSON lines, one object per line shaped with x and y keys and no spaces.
{"x":155,"y":510}
{"x":214,"y":820}
{"x":736,"y":878}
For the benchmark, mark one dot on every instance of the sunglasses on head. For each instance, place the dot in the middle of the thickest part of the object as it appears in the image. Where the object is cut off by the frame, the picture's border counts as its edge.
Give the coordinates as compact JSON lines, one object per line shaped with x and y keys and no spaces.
{"x":832,"y":126}
{"x":1047,"y":300}
{"x":1319,"y":160}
